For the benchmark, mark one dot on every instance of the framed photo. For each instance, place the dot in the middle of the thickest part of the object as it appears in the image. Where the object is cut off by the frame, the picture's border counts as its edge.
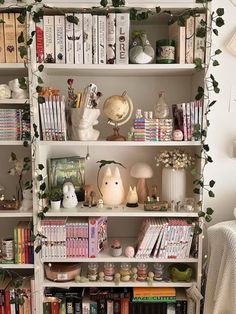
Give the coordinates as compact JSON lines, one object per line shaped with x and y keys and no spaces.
{"x":67,"y":169}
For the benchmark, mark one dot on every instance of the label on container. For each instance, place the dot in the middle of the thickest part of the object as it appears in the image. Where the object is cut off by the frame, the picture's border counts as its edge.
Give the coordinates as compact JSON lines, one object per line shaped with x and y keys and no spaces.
{"x":166,"y":53}
{"x":62,"y":276}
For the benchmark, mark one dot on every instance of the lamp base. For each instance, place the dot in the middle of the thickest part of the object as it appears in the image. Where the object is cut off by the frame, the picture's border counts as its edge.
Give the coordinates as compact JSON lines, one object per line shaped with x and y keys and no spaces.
{"x":132,"y":204}
{"x":116,"y":136}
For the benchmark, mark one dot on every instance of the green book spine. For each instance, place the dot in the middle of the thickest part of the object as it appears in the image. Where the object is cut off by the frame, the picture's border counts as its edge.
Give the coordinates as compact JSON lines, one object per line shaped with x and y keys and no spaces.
{"x":16,"y":245}
{"x":47,"y":308}
{"x":62,"y":307}
{"x":93,"y":308}
{"x":154,"y":299}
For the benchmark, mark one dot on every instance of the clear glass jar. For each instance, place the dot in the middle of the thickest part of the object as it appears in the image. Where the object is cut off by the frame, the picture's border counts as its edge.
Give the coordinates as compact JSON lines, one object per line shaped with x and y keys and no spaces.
{"x":142,"y":271}
{"x":109,"y":271}
{"x":125,"y":272}
{"x":159,"y":271}
{"x":92,"y":271}
{"x":161,"y":109}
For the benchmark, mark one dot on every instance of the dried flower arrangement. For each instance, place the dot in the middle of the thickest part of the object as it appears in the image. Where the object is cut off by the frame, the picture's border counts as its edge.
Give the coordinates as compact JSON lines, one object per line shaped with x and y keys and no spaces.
{"x":175,"y":159}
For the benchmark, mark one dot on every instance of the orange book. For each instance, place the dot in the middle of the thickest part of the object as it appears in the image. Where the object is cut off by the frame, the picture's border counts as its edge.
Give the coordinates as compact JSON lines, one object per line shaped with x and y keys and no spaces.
{"x":124,"y":306}
{"x":2,"y":45}
{"x":10,"y":37}
{"x":154,"y":292}
{"x":19,"y":240}
{"x":20,"y":28}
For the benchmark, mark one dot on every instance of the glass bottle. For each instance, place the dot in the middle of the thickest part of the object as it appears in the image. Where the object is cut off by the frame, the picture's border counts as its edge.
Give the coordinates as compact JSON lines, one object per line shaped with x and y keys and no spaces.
{"x":125,"y":272}
{"x":109,"y":271}
{"x":161,"y":109}
{"x":92,"y":271}
{"x":142,"y":271}
{"x":159,"y":272}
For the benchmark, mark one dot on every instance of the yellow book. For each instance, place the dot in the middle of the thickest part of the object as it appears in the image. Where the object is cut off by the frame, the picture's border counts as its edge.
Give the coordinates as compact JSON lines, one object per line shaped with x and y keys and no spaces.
{"x":19,"y":243}
{"x":10,"y":37}
{"x":20,"y":28}
{"x":2,"y":44}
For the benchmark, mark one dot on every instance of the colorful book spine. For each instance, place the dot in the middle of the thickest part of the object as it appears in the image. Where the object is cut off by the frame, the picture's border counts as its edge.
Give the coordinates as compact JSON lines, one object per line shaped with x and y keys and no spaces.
{"x":102,"y":39}
{"x":111,"y":38}
{"x":10,"y":37}
{"x":2,"y":43}
{"x":95,"y":39}
{"x":190,"y":40}
{"x":20,"y":29}
{"x":78,"y":39}
{"x":39,"y":41}
{"x":49,"y":39}
{"x":122,"y":38}
{"x":87,"y":29}
{"x":199,"y":42}
{"x":69,"y":41}
{"x":60,"y":39}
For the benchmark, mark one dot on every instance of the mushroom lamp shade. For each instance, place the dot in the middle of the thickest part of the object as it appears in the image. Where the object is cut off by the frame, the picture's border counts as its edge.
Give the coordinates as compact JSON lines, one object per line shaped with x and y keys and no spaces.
{"x":141,"y":171}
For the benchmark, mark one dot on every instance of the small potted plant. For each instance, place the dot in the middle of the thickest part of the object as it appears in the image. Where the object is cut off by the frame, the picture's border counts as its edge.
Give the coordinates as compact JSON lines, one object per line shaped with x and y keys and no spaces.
{"x":116,"y":249}
{"x":55,"y":196}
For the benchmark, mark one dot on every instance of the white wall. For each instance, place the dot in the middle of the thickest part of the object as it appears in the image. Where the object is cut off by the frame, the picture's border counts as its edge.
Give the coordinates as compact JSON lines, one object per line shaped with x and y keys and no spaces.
{"x":222,"y":131}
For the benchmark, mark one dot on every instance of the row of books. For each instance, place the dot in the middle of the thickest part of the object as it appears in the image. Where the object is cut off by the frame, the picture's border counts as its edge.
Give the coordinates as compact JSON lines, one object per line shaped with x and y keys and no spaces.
{"x":70,"y":238}
{"x":53,"y":118}
{"x":10,"y":30}
{"x":97,"y":39}
{"x":118,"y":301}
{"x":189,"y":46}
{"x":165,"y":238}
{"x":13,"y":126}
{"x":188,"y":116}
{"x":24,"y":246}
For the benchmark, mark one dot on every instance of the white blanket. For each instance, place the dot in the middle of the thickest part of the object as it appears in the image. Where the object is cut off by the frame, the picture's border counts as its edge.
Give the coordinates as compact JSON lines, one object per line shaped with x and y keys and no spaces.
{"x":221,"y":279}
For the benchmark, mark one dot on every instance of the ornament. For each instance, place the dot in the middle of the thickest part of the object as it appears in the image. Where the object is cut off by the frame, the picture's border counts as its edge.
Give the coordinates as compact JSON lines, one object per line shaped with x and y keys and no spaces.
{"x":69,"y":196}
{"x":129,"y":251}
{"x":178,"y":135}
{"x":141,"y":51}
{"x":116,"y":249}
{"x":5,"y":92}
{"x":132,"y":197}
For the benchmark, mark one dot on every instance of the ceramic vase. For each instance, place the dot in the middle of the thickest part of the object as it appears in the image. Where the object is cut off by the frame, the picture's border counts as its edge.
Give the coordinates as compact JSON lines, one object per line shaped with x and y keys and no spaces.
{"x":173,"y":185}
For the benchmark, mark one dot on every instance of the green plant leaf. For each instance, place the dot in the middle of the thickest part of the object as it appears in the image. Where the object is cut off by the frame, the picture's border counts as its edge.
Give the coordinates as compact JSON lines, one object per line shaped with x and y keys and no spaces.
{"x":40,"y":67}
{"x":104,"y":3}
{"x":45,"y":209}
{"x":158,"y":10}
{"x":220,"y":22}
{"x":196,"y":191}
{"x":218,"y":52}
{"x":209,"y":159}
{"x":25,"y":143}
{"x":22,"y":83}
{"x":211,"y":183}
{"x":21,"y":38}
{"x":42,"y":186}
{"x":39,"y":177}
{"x":215,"y":63}
{"x":212,"y":103}
{"x":215,"y":31}
{"x":209,"y":211}
{"x":40,"y":81}
{"x":206,"y":147}
{"x":201,"y":214}
{"x":201,"y":32}
{"x":29,"y":42}
{"x":220,"y":11}
{"x":38,"y":249}
{"x":41,"y":99}
{"x":211,"y":194}
{"x":39,"y":89}
{"x":208,"y":218}
{"x":197,"y":230}
{"x":198,"y":64}
{"x":40,"y":166}
{"x":72,"y":19}
{"x":13,"y":156}
{"x":23,"y":51}
{"x":133,"y":14}
{"x":216,"y":90}
{"x":26,"y":159}
{"x":21,"y":18}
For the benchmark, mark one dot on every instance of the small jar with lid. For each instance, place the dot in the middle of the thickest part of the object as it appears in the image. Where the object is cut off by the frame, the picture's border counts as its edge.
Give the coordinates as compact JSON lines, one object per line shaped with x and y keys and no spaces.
{"x":142,"y":271}
{"x":92,"y":271}
{"x":125,"y":272}
{"x":159,"y":271}
{"x":109,"y":271}
{"x":165,"y":51}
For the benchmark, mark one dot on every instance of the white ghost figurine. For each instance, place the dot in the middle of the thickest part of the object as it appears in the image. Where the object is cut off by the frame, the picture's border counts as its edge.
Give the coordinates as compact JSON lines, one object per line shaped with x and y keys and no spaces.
{"x":112,"y":188}
{"x":132,"y":197}
{"x":27,"y":202}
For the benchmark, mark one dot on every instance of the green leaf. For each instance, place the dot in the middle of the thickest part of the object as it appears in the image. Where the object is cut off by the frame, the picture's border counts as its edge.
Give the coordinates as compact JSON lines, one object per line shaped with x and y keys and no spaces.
{"x":39,"y":177}
{"x":40,"y":81}
{"x":215,"y":63}
{"x":194,"y":171}
{"x":215,"y":31}
{"x":21,"y":38}
{"x":220,"y":11}
{"x":29,"y":42}
{"x":29,"y":8}
{"x":45,"y":209}
{"x":197,"y":230}
{"x":41,"y":99}
{"x":216,"y":90}
{"x":2,"y":1}
{"x":42,"y":186}
{"x":211,"y":183}
{"x":220,"y":22}
{"x":199,"y":203}
{"x":209,"y":211}
{"x":26,"y":159}
{"x":40,"y":67}
{"x":196,"y":191}
{"x":133,"y":14}
{"x":211,"y":194}
{"x":23,"y":51}
{"x":208,"y":218}
{"x":212,"y":103}
{"x":158,"y":10}
{"x":201,"y":214}
{"x":22,"y":83}
{"x":206,"y":147}
{"x":13,"y":156}
{"x":198,"y":64}
{"x":25,"y":143}
{"x":218,"y":51}
{"x":40,"y":166}
{"x":72,"y":19}
{"x":38,"y":249}
{"x":201,"y":32}
{"x":21,"y":18}
{"x":204,"y":133}
{"x":103,"y":3}
{"x":39,"y":89}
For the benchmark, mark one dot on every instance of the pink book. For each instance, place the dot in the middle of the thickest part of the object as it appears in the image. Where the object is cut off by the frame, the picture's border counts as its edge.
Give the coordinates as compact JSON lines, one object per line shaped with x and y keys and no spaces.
{"x":97,"y":235}
{"x":185,"y":121}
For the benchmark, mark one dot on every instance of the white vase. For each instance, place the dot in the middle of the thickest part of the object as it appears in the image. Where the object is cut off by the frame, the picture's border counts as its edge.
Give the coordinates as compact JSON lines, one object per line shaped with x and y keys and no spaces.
{"x":55,"y":205}
{"x":173,"y":185}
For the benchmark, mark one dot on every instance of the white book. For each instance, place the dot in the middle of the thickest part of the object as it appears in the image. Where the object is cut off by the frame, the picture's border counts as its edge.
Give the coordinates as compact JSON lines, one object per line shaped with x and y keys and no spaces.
{"x":69,"y":42}
{"x":111,"y":38}
{"x":122,"y":38}
{"x":159,"y":238}
{"x":200,"y":113}
{"x":154,"y":238}
{"x":42,"y":121}
{"x":178,"y":34}
{"x":48,"y":118}
{"x":63,"y":118}
{"x":142,"y":234}
{"x":79,"y":39}
{"x":87,"y":29}
{"x":189,"y":40}
{"x":60,"y":48}
{"x":47,"y":137}
{"x":185,"y":121}
{"x":102,"y":34}
{"x":55,"y":117}
{"x":149,"y":237}
{"x":49,"y":42}
{"x":192,"y":118}
{"x":51,"y":116}
{"x":59,"y":126}
{"x":199,"y":43}
{"x":95,"y":39}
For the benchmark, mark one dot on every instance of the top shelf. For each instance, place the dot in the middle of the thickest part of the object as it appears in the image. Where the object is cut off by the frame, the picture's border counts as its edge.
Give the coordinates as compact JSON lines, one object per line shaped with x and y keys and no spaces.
{"x":120,"y":69}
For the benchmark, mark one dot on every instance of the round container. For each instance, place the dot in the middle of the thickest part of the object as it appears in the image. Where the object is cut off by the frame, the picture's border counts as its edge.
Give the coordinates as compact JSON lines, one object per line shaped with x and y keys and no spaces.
{"x":92,"y":271}
{"x":125,"y":272}
{"x":109,"y":271}
{"x":159,"y":271}
{"x":8,"y":249}
{"x":165,"y":51}
{"x":62,"y":272}
{"x":142,"y":271}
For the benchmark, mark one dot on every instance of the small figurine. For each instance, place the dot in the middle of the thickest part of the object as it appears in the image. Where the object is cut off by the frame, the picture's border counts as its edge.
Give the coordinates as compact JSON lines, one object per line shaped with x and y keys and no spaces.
{"x":100,"y":203}
{"x":27,"y":202}
{"x":132,"y":197}
{"x":129,"y":251}
{"x":150,"y":278}
{"x":134,"y":273}
{"x":172,"y":206}
{"x":178,"y":135}
{"x":69,"y":196}
{"x":117,"y":278}
{"x":116,"y":248}
{"x":141,"y":51}
{"x":90,"y":196}
{"x":101,"y":276}
{"x":72,"y":97}
{"x":5,"y":92}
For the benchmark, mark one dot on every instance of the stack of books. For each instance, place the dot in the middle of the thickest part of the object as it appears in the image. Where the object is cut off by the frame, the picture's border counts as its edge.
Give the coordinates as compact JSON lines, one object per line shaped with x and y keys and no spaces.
{"x":165,"y":238}
{"x":96,"y":39}
{"x":73,"y":238}
{"x":24,"y":247}
{"x":12,"y":125}
{"x":53,"y":118}
{"x":10,"y":30}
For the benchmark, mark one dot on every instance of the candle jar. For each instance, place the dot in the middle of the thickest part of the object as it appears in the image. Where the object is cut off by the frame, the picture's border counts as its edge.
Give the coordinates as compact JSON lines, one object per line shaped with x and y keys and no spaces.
{"x":109,"y":271}
{"x":159,"y":272}
{"x":8,"y":249}
{"x":125,"y":272}
{"x":165,"y":51}
{"x":142,"y":271}
{"x":92,"y":271}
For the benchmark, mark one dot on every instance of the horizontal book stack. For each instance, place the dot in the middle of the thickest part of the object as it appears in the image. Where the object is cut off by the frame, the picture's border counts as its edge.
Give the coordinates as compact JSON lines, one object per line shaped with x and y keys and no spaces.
{"x":53,"y":118}
{"x":189,"y":118}
{"x":24,"y":247}
{"x":190,"y":39}
{"x":71,"y":238}
{"x":95,"y":39}
{"x":10,"y":30}
{"x":12,"y":125}
{"x":165,"y":238}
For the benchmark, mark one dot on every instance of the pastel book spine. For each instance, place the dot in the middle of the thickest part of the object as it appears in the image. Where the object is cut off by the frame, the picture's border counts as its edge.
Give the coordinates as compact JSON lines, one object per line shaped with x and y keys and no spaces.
{"x":93,"y":237}
{"x":39,"y":41}
{"x":69,"y":42}
{"x":178,"y":33}
{"x":110,"y":307}
{"x":188,"y":116}
{"x":111,"y":38}
{"x":16,"y":245}
{"x":10,"y":37}
{"x":199,"y":42}
{"x":87,"y":38}
{"x":49,"y":44}
{"x":102,"y":33}
{"x":79,"y":39}
{"x":20,"y":29}
{"x":2,"y":43}
{"x":63,"y":118}
{"x":95,"y":39}
{"x":184,"y":106}
{"x":189,"y":40}
{"x":122,"y":38}
{"x":192,"y":119}
{"x":60,"y":43}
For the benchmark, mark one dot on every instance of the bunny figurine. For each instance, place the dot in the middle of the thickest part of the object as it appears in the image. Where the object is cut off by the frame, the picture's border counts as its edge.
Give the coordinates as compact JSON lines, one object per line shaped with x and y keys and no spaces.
{"x":69,"y":196}
{"x":27,"y":202}
{"x":132,"y":197}
{"x":112,"y":188}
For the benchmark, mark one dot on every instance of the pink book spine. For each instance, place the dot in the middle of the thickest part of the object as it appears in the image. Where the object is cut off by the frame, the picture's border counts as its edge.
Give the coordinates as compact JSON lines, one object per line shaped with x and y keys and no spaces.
{"x":185,"y":122}
{"x":93,"y":238}
{"x":188,"y":116}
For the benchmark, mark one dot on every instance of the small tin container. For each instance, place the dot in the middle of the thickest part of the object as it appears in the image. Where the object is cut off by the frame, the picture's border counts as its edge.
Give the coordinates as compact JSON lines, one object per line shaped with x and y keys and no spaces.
{"x":165,"y":51}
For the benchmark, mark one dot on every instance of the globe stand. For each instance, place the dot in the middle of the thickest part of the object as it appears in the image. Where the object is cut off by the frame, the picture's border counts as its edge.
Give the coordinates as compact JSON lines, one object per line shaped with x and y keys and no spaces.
{"x":116,"y":136}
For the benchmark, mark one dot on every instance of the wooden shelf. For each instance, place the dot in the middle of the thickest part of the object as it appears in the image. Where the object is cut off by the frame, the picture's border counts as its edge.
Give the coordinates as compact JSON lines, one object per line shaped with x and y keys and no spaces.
{"x":14,"y":213}
{"x":8,"y":69}
{"x":17,"y":266}
{"x":13,"y":101}
{"x":120,"y":69}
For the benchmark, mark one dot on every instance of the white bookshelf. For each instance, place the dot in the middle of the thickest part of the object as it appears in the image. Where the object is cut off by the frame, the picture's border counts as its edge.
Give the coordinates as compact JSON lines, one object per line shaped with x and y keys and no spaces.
{"x":13,"y":101}
{"x":15,"y":213}
{"x":11,"y":143}
{"x":17,"y":266}
{"x":13,"y":69}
